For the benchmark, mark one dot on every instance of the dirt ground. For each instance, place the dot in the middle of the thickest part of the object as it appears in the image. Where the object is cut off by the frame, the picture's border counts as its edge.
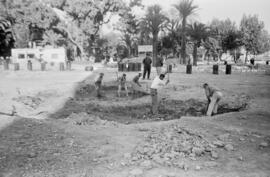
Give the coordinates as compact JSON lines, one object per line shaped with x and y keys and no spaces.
{"x":62,"y":129}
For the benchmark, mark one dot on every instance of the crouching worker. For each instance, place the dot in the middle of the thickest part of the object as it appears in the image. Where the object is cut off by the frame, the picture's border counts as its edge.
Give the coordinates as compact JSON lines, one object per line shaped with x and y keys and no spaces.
{"x":214,"y":96}
{"x":122,"y":84}
{"x":98,"y":83}
{"x":157,"y":83}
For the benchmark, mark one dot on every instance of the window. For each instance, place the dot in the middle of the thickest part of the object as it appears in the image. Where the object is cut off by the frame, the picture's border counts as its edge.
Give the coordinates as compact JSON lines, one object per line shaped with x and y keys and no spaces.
{"x":31,"y":55}
{"x":21,"y":56}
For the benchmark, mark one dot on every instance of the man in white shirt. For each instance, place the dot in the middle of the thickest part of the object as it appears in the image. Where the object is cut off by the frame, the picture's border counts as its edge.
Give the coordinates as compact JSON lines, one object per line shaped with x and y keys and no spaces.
{"x":213,"y":95}
{"x":157,"y":83}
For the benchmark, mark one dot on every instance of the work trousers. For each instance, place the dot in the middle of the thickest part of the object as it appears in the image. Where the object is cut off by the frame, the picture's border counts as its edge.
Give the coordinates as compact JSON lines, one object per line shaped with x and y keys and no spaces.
{"x":154,"y":96}
{"x":147,"y":69}
{"x":213,"y":106}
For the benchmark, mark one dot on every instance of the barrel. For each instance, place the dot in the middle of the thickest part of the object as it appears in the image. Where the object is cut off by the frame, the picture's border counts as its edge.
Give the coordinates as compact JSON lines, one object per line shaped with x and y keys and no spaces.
{"x":139,"y":66}
{"x":189,"y":69}
{"x":125,"y":67}
{"x":252,"y":61}
{"x":228,"y":69}
{"x":169,"y":68}
{"x":6,"y":65}
{"x":16,"y":66}
{"x":29,"y":65}
{"x":215,"y":69}
{"x":136,"y":67}
{"x":130,"y":67}
{"x":61,"y":66}
{"x":43,"y":66}
{"x":267,"y":62}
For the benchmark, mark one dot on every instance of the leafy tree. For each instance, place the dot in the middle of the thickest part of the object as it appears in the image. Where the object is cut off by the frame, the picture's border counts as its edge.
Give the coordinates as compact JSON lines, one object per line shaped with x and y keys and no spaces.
{"x":185,"y":9}
{"x":129,"y":25}
{"x":251,"y":28}
{"x":226,"y":33}
{"x":212,"y":48}
{"x":198,"y":32}
{"x":264,"y":42}
{"x":155,"y":21}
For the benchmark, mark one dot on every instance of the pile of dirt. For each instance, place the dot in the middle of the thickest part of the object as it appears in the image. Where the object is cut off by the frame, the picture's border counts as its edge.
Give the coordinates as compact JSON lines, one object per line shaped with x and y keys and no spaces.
{"x":171,"y":145}
{"x":83,"y":118}
{"x":29,"y":101}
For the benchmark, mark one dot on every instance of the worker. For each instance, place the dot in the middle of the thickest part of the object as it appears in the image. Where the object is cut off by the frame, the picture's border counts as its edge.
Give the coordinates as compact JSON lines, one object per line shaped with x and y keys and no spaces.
{"x":213,"y":96}
{"x":122,"y":84}
{"x":156,"y":84}
{"x":147,"y":66}
{"x":98,"y":82}
{"x":136,"y":86}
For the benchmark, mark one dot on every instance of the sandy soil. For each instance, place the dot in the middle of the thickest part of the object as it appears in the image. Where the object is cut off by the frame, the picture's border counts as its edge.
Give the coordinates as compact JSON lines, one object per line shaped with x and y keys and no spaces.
{"x":63,"y":130}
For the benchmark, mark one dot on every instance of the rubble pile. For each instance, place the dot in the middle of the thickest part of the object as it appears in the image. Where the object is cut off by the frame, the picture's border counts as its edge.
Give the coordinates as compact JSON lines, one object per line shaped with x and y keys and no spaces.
{"x":171,"y":145}
{"x":83,"y":118}
{"x":32,"y":102}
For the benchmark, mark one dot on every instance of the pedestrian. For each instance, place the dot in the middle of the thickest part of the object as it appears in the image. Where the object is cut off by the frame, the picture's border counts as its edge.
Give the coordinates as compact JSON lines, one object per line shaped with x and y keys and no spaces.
{"x":98,"y":83}
{"x":159,"y":64}
{"x":122,"y":84}
{"x":214,"y":96}
{"x":147,"y":61}
{"x":157,"y":83}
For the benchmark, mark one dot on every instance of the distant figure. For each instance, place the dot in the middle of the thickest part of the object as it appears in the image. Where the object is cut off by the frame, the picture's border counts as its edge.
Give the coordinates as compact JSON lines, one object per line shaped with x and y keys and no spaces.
{"x":147,"y":61}
{"x":156,"y":84}
{"x":159,"y":64}
{"x":122,"y":84}
{"x":213,"y":96}
{"x":98,"y":83}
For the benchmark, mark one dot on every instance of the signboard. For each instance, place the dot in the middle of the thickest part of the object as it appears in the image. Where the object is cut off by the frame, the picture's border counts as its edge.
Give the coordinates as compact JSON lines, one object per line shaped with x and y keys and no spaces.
{"x":145,"y":48}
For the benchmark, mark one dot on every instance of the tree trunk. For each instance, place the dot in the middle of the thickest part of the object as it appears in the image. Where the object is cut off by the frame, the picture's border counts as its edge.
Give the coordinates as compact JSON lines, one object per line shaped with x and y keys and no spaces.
{"x":246,"y":57}
{"x":67,"y":34}
{"x":183,"y":43}
{"x":195,"y":54}
{"x":155,"y":42}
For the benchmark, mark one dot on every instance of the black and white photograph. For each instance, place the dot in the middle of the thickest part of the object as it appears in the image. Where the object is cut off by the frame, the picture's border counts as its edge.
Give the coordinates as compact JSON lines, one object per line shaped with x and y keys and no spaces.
{"x":134,"y":88}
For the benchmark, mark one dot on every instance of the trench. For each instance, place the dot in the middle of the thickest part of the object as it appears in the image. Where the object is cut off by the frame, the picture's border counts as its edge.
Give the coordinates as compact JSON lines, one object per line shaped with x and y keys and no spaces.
{"x":137,"y":108}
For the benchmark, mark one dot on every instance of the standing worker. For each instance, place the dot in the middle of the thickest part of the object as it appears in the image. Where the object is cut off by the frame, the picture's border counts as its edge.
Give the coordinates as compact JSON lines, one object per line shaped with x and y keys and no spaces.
{"x":156,"y":84}
{"x":213,"y":96}
{"x":98,"y":82}
{"x":147,"y":61}
{"x":122,"y":84}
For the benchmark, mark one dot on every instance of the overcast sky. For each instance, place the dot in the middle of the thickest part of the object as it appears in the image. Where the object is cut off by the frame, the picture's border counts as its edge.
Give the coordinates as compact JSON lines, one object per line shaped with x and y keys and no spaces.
{"x":210,"y":9}
{"x":222,"y":9}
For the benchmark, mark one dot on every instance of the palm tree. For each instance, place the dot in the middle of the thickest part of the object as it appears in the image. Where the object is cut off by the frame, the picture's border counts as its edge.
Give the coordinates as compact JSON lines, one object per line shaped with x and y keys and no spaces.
{"x":154,"y":21}
{"x":198,"y":32}
{"x":185,"y":9}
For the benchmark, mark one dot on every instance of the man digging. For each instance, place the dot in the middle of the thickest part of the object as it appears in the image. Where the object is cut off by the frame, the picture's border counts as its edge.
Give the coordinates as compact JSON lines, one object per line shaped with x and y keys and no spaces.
{"x":98,"y":82}
{"x":214,"y":96}
{"x":122,"y":84}
{"x":157,"y":83}
{"x":136,"y":86}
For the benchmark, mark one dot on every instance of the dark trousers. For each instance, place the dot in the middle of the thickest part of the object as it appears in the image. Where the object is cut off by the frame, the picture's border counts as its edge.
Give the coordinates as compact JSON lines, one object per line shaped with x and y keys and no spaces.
{"x":147,"y":70}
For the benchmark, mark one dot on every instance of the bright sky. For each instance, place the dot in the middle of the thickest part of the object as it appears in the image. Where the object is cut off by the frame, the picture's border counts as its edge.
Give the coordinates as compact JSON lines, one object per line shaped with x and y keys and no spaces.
{"x":223,"y":9}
